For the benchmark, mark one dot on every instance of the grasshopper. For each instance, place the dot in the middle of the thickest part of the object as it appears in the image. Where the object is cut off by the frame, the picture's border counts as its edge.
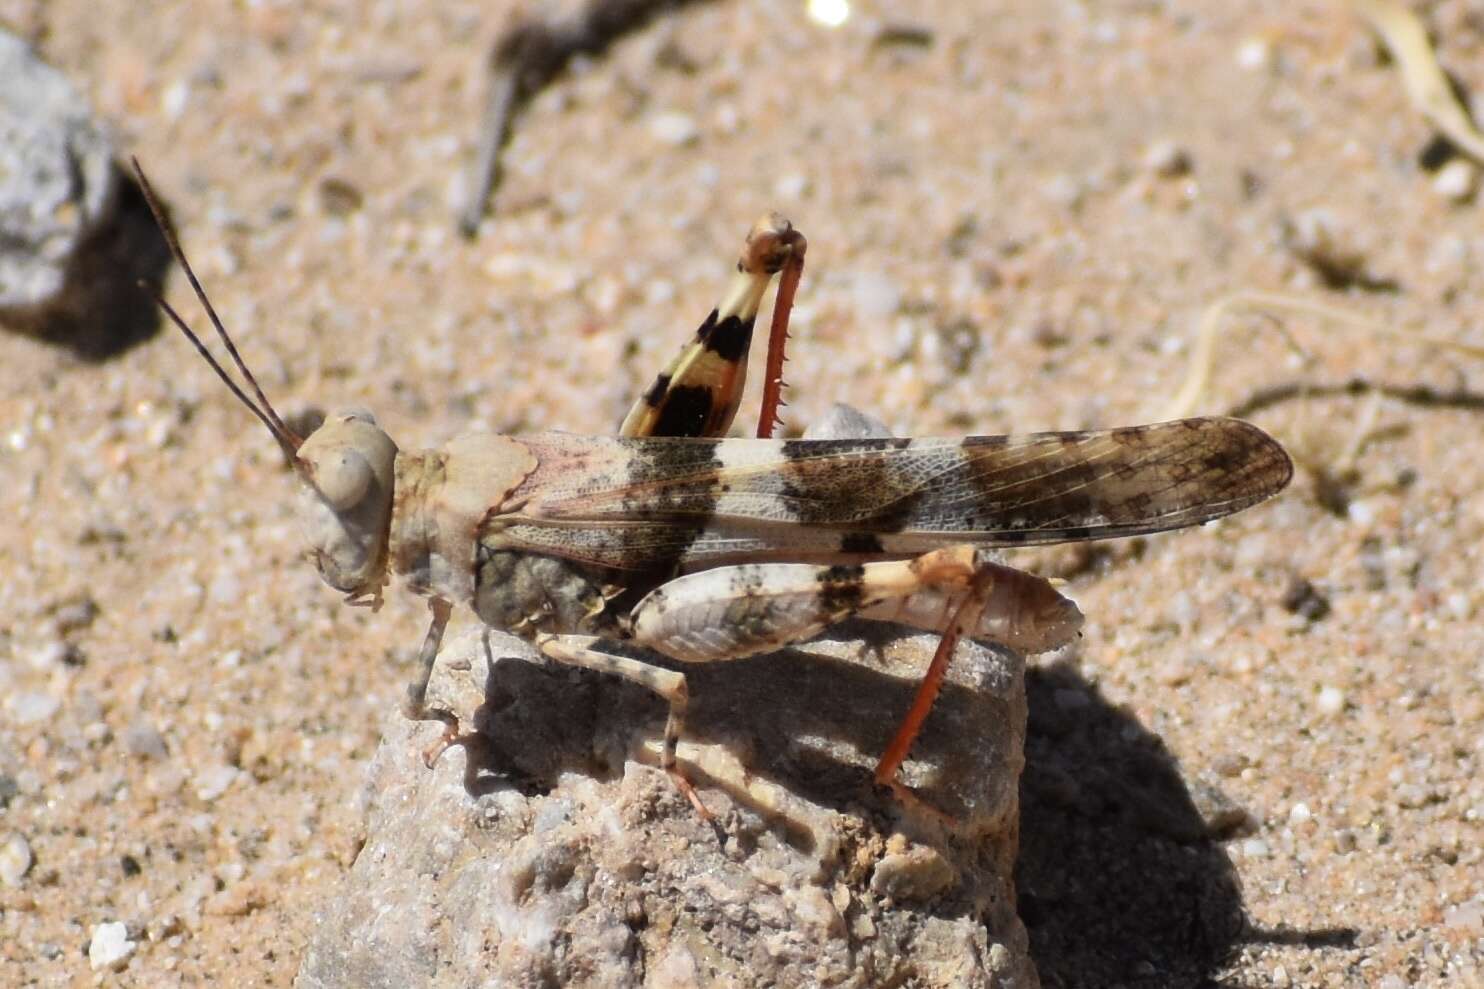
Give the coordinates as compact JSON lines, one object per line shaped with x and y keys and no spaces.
{"x":704,"y":549}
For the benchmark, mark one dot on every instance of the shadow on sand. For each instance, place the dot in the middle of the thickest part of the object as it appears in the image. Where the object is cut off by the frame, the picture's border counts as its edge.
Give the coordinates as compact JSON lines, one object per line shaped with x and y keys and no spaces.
{"x":1120,"y":883}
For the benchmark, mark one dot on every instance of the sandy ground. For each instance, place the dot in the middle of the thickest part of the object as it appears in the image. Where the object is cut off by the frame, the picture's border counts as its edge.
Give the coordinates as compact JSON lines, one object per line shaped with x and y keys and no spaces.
{"x":1002,"y":238}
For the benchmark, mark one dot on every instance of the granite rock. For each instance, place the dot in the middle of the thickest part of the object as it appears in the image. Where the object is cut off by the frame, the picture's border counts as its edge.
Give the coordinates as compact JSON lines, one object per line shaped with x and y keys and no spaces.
{"x":550,"y":850}
{"x":75,"y":236}
{"x":57,"y":180}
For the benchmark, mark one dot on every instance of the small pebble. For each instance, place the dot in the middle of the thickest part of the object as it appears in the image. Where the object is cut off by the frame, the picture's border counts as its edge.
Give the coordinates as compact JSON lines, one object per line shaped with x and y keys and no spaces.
{"x":212,"y":783}
{"x":843,"y":422}
{"x":1459,"y":605}
{"x":144,"y":740}
{"x":56,"y":653}
{"x":1167,"y":159}
{"x":110,"y":946}
{"x":1173,"y":673}
{"x":1254,"y":54}
{"x":1255,"y":848}
{"x":237,"y":900}
{"x":1331,"y":700}
{"x":674,"y":128}
{"x":166,"y":926}
{"x":1467,"y":917}
{"x":226,"y":589}
{"x":874,"y":295}
{"x":1229,"y":764}
{"x":15,"y":859}
{"x":1316,"y":237}
{"x":1182,"y":609}
{"x":338,"y":197}
{"x":31,"y":707}
{"x":1064,"y":191}
{"x":174,"y":99}
{"x":1222,"y":816}
{"x":791,"y":186}
{"x":915,"y":875}
{"x":1302,"y":598}
{"x":1299,"y":813}
{"x":1457,"y":181}
{"x":74,"y":614}
{"x":830,"y":13}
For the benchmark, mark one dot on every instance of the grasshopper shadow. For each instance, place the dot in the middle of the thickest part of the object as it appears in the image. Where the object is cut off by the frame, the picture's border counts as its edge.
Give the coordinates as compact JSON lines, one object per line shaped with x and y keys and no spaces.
{"x":1119,"y":881}
{"x":1116,"y":882}
{"x":811,"y":722}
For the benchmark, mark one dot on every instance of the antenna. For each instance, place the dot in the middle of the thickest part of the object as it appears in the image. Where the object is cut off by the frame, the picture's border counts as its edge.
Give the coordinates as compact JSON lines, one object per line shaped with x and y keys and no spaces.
{"x":263,"y":409}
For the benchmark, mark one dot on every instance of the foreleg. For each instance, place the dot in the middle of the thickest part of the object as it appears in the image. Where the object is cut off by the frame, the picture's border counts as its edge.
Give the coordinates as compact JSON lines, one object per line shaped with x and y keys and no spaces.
{"x":415,"y":705}
{"x":577,"y":650}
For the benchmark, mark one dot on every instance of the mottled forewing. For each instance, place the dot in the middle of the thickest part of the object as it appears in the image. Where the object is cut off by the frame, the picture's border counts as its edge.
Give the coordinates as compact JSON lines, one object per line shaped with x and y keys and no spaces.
{"x":662,"y":503}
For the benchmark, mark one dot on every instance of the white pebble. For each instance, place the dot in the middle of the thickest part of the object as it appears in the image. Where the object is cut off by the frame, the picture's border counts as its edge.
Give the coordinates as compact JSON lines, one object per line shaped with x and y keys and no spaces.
{"x":659,"y":291}
{"x":212,"y":783}
{"x":791,"y":186}
{"x":1361,"y":512}
{"x":875,"y":295}
{"x":225,"y":588}
{"x":174,"y":99}
{"x":830,"y":13}
{"x":1331,"y":700}
{"x":144,"y":739}
{"x":1300,"y":813}
{"x":15,"y":859}
{"x":1467,"y":917}
{"x":1255,"y":848}
{"x":51,"y":655}
{"x":1254,"y":54}
{"x":31,"y":707}
{"x":1063,"y":190}
{"x":110,"y":946}
{"x":674,"y":128}
{"x":1456,"y":181}
{"x":1182,"y":609}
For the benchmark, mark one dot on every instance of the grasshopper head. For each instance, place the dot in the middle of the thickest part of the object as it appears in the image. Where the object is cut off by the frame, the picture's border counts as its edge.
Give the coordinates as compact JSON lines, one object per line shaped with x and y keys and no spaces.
{"x":347,"y":466}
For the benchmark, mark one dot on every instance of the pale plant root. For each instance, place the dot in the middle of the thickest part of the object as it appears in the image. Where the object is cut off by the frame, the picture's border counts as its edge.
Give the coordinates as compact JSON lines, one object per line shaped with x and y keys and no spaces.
{"x":1194,"y":390}
{"x":1426,"y":84}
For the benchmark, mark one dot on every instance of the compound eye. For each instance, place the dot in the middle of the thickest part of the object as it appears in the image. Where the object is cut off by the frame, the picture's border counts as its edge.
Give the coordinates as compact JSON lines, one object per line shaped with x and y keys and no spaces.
{"x":343,"y":478}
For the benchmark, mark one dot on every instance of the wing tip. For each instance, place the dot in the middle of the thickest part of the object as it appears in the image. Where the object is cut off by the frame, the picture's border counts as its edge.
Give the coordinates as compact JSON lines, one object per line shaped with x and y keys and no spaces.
{"x":1267,"y":459}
